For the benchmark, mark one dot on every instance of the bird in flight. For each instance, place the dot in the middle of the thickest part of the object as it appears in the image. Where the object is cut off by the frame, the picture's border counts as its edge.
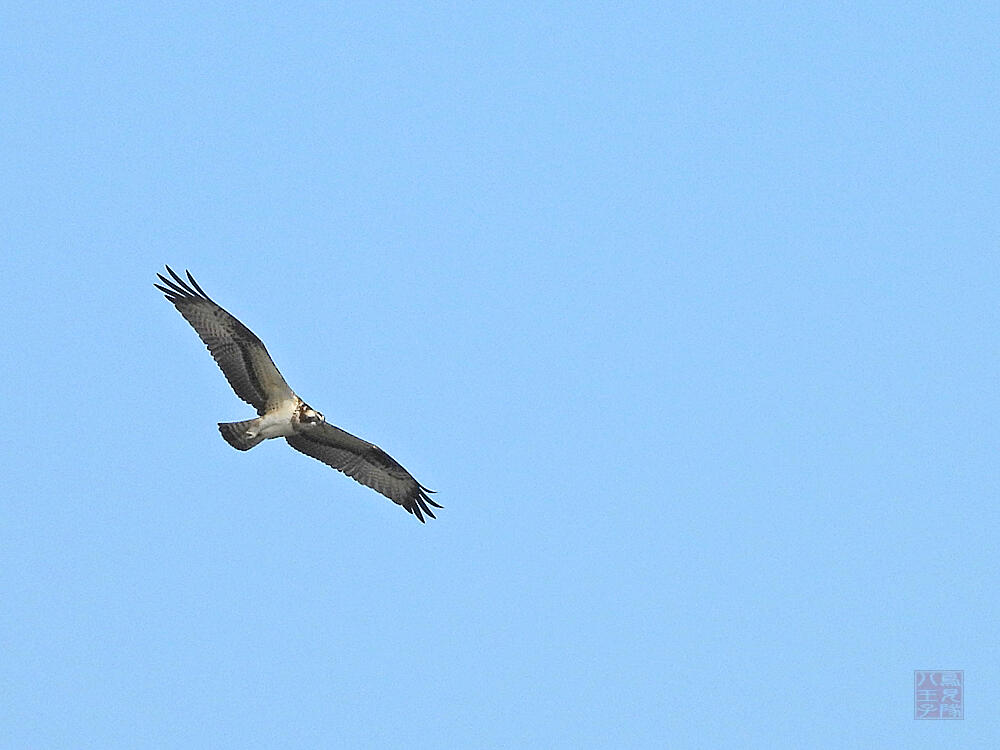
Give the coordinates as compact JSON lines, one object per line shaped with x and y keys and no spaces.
{"x":280,"y":413}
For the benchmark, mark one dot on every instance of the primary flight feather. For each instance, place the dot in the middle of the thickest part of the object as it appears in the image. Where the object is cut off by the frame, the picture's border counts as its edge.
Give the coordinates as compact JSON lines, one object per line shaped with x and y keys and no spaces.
{"x":280,"y":413}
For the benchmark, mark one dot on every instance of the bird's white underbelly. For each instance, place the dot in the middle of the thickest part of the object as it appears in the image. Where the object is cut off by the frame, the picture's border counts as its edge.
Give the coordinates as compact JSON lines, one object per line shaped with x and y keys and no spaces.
{"x":277,"y":423}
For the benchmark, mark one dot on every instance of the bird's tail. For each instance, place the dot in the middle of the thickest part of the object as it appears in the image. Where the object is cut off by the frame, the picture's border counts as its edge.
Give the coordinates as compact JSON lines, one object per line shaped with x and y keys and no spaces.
{"x":241,"y":435}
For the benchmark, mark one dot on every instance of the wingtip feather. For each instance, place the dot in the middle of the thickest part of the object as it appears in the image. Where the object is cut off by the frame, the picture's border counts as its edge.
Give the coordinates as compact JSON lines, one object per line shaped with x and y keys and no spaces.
{"x":195,"y":285}
{"x":178,"y":288}
{"x":177,"y":278}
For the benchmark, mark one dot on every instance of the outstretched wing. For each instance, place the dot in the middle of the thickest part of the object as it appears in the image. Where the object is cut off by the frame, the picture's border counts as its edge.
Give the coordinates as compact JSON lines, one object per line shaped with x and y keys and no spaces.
{"x":239,"y":353}
{"x":366,"y":463}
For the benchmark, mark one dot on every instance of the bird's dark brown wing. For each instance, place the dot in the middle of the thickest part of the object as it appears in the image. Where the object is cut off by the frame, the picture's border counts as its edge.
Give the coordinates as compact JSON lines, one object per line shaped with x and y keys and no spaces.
{"x":365,"y":463}
{"x":239,"y":353}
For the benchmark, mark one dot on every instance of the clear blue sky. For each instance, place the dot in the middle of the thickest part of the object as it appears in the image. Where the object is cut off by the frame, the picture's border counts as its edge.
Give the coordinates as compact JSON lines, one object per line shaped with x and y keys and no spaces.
{"x":689,"y":313}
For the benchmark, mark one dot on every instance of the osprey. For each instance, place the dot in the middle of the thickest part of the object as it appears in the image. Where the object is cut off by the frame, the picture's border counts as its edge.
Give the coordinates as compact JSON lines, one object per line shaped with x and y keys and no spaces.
{"x":280,"y":413}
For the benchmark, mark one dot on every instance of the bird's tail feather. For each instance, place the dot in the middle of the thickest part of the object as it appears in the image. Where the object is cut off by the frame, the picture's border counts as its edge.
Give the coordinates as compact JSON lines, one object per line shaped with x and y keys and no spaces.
{"x":237,"y":434}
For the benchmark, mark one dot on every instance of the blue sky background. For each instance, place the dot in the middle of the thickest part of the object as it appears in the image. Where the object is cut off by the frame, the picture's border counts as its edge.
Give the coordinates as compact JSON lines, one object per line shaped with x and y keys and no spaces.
{"x":688,"y":311}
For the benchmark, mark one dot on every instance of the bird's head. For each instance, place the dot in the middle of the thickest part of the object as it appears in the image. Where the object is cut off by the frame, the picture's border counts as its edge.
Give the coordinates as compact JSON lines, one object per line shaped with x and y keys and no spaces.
{"x":309,"y":416}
